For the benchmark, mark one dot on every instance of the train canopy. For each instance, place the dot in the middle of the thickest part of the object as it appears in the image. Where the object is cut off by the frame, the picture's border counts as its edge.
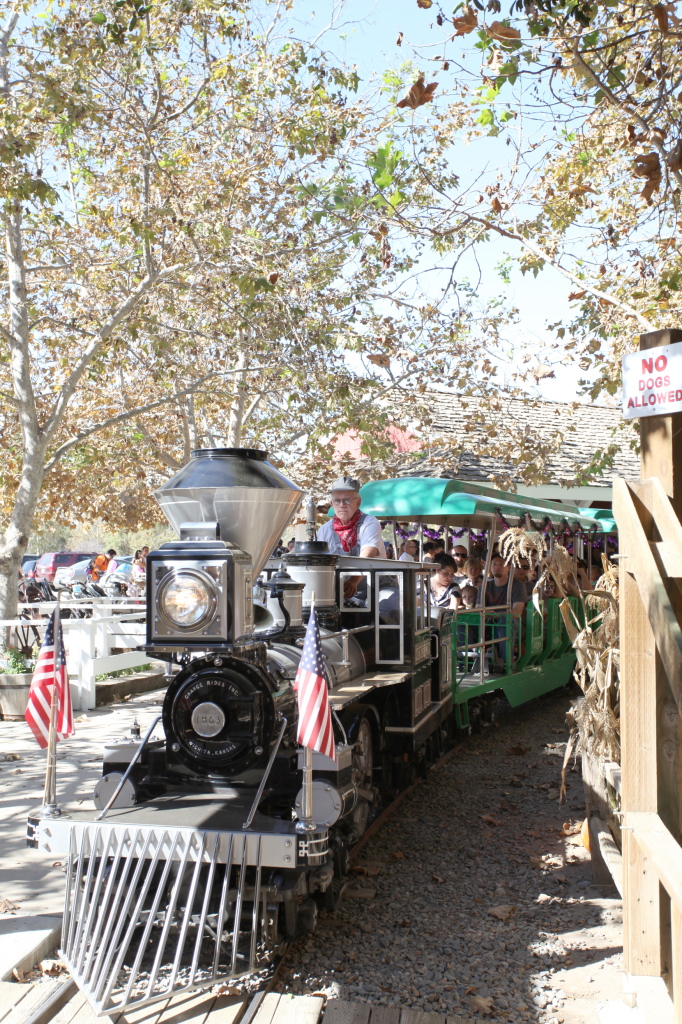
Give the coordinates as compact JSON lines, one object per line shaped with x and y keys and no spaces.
{"x":458,"y":503}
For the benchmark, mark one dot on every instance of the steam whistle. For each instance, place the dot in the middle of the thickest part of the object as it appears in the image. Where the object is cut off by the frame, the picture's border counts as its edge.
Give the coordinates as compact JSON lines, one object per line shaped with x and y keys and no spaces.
{"x":311,"y":518}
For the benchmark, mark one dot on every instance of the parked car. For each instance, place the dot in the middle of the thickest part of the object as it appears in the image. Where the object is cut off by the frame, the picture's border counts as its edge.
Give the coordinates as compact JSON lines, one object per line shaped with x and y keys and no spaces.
{"x":67,"y":575}
{"x":48,"y":563}
{"x":28,"y":566}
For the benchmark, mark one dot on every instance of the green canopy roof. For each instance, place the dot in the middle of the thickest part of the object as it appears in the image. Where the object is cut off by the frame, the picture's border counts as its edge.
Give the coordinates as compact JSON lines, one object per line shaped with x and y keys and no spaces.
{"x":445,"y":502}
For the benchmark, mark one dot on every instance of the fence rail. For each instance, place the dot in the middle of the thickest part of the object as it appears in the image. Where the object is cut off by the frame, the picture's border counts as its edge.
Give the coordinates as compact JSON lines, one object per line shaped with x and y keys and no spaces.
{"x":89,"y":642}
{"x":650,"y":544}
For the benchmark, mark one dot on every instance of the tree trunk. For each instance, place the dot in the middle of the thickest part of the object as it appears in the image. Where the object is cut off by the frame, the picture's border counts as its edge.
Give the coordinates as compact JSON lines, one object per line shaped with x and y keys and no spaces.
{"x":234,"y":431}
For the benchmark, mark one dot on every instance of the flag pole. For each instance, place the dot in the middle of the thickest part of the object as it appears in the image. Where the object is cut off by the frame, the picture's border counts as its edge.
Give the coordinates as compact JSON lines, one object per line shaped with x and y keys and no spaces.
{"x":50,"y":808}
{"x":305,"y":822}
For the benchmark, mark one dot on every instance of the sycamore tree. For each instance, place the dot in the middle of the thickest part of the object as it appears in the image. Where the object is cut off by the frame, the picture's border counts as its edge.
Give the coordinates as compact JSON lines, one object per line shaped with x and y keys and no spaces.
{"x":205,"y":243}
{"x":581,"y":104}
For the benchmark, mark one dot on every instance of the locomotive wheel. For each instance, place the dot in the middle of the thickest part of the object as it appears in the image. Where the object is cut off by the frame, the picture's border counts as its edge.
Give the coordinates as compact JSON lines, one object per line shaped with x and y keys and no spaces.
{"x":362,"y":775}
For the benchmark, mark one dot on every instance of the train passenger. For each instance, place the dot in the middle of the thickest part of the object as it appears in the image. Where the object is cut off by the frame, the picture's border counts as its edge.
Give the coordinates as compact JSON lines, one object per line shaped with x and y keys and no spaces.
{"x":460,"y":555}
{"x":473,"y":573}
{"x":467,"y":632}
{"x":408,"y":551}
{"x":522,"y":574}
{"x":496,"y":596}
{"x":429,"y":550}
{"x":444,"y":591}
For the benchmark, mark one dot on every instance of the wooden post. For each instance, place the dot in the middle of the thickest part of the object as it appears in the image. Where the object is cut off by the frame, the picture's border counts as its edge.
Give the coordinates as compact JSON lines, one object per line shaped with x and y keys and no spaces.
{"x":641,"y":901}
{"x":661,"y":436}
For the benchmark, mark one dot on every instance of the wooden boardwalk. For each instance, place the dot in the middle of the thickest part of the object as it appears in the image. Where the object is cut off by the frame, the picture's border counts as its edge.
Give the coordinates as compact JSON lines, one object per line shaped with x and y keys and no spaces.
{"x":19,"y":1005}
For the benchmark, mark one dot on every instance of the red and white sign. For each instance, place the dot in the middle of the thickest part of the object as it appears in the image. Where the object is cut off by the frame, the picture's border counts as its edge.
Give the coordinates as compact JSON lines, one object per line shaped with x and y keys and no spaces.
{"x":652,"y":382}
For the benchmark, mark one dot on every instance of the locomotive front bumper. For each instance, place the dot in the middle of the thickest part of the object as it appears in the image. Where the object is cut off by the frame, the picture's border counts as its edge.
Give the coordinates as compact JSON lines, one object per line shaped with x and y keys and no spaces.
{"x":164,"y":897}
{"x":219,"y":816}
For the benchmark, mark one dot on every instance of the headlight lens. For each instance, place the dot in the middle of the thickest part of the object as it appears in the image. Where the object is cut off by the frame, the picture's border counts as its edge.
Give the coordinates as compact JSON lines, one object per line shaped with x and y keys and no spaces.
{"x":186,"y":601}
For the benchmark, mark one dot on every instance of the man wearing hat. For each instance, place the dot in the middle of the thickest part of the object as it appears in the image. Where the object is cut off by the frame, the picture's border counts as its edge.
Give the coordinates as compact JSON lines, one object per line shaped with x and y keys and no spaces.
{"x":351,"y":532}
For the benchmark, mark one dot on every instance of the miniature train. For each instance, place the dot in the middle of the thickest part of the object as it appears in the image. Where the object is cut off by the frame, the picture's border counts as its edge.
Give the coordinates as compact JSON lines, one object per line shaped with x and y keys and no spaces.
{"x":197,"y":872}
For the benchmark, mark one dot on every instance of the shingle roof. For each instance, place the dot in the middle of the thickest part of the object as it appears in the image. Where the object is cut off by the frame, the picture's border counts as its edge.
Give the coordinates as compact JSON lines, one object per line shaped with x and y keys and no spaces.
{"x":572,"y":437}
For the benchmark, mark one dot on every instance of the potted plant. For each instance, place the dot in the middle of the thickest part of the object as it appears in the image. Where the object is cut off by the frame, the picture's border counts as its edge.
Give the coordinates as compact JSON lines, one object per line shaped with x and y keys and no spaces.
{"x":15,"y":683}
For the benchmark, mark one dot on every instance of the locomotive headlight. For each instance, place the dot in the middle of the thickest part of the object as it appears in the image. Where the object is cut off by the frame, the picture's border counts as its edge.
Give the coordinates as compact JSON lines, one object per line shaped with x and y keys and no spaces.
{"x":187,"y":599}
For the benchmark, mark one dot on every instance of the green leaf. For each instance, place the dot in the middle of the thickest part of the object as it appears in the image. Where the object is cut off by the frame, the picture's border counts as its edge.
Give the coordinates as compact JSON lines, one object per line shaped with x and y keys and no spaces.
{"x":99,"y":18}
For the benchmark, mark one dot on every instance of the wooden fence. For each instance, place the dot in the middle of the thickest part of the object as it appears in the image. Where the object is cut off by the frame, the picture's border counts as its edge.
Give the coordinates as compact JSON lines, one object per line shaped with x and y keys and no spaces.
{"x":115,"y":623}
{"x":650,"y":544}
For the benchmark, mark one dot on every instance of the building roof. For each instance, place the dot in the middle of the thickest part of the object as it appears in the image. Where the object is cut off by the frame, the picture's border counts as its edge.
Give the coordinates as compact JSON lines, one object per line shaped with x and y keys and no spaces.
{"x":525,"y":441}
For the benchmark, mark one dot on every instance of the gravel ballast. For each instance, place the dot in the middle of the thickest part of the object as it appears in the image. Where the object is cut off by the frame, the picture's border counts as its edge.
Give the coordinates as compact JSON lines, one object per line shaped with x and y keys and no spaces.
{"x":483,"y":831}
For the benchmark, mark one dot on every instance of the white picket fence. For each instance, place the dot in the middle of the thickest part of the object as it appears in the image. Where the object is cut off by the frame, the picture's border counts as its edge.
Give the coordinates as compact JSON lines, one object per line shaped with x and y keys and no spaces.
{"x":88,"y":642}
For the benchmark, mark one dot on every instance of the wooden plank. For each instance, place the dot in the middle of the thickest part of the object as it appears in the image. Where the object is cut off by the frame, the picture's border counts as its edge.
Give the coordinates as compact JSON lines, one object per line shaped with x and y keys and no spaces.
{"x":298,"y":1010}
{"x":227,"y":1010}
{"x":653,"y":1000}
{"x":641,"y":909}
{"x":419,"y":1017}
{"x":676,"y":965}
{"x":659,"y":609}
{"x":188,"y":1008}
{"x":12,"y":993}
{"x":38,"y":994}
{"x":68,"y":1012}
{"x":384,"y":1015}
{"x":670,"y":557}
{"x":339,"y":1011}
{"x":638,"y":732}
{"x":145,"y":1014}
{"x":267,"y":1008}
{"x":658,"y":845}
{"x":612,"y":857}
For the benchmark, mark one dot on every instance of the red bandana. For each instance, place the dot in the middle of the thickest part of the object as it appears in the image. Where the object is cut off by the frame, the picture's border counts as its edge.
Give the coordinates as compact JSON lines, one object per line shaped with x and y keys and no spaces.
{"x":347,"y":532}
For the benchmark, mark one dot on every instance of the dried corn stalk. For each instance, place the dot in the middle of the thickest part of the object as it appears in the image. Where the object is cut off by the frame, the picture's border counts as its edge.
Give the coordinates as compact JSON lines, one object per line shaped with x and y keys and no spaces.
{"x":516,"y":543}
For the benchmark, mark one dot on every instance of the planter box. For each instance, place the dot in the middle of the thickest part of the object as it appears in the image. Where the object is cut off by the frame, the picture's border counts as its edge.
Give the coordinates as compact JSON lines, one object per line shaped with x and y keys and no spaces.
{"x":14,"y":690}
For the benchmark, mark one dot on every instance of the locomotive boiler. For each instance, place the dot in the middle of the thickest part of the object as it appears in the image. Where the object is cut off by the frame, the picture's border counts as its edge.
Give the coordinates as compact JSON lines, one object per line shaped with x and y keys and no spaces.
{"x":193,"y":868}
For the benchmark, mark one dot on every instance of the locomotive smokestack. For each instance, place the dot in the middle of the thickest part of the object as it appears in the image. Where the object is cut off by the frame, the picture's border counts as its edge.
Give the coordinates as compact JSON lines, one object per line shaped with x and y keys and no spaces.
{"x":238,"y":488}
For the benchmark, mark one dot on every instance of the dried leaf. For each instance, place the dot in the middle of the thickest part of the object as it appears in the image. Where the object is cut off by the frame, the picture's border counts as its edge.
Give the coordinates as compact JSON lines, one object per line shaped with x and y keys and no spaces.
{"x":503,"y":913}
{"x":642,"y":79}
{"x":466,"y":23}
{"x":496,"y":205}
{"x":489,"y":820}
{"x":576,"y":295}
{"x":11,"y":757}
{"x":674,"y":158}
{"x":274,"y":278}
{"x":660,"y":12}
{"x":648,"y":165}
{"x":541,"y":371}
{"x":481,"y":1004}
{"x":18,"y":973}
{"x":398,"y":855}
{"x":585,"y":834}
{"x":503,"y":33}
{"x":399,"y":40}
{"x":6,"y":906}
{"x":425,"y":4}
{"x":437,"y":878}
{"x":471,"y":991}
{"x":418,"y":94}
{"x":517,"y":751}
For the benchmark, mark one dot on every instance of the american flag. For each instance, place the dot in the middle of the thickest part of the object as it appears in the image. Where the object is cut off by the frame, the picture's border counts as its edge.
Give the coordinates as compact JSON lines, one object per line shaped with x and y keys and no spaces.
{"x":314,"y":714}
{"x":50,"y":670}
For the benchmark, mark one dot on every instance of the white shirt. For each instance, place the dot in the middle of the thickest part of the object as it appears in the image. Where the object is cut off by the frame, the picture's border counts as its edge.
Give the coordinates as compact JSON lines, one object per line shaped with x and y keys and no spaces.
{"x":406,"y":557}
{"x":369,"y":536}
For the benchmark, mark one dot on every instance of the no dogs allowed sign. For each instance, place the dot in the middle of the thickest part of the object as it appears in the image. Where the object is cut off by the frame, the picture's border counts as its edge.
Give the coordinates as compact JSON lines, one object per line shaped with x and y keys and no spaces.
{"x":652,"y":382}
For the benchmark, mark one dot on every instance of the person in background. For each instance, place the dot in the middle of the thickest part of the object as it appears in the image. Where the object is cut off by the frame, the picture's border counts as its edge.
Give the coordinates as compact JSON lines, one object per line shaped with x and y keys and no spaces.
{"x":408,"y":551}
{"x":522,"y":574}
{"x":583,"y":578}
{"x":429,"y":549}
{"x":439,"y":546}
{"x":145,"y":552}
{"x":444,"y":591}
{"x":596,"y":572}
{"x":495,"y":596}
{"x":101,"y":564}
{"x":390,"y":550}
{"x":460,"y":555}
{"x":473,"y":572}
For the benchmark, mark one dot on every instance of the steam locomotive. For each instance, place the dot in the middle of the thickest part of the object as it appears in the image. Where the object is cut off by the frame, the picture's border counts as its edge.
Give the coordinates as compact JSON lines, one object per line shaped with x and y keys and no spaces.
{"x":193,"y":868}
